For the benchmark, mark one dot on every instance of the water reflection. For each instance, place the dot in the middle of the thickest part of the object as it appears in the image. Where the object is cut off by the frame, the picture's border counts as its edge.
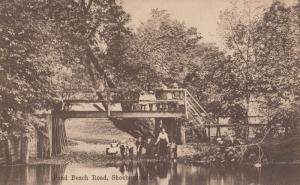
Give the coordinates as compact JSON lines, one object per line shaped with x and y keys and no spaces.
{"x":31,"y":175}
{"x":149,"y":173}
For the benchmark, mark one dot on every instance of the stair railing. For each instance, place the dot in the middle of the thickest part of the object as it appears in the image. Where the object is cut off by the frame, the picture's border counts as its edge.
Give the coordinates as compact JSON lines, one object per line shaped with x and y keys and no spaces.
{"x":195,"y":106}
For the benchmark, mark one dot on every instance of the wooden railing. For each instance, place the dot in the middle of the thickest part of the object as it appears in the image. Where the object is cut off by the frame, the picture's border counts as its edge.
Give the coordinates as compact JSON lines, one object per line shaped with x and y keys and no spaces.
{"x":179,"y":103}
{"x":197,"y":113}
{"x":162,"y":102}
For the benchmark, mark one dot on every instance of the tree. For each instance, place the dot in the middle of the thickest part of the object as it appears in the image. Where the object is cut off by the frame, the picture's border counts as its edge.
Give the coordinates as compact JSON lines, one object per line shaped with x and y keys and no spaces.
{"x":160,"y":51}
{"x":263,"y":55}
{"x":96,"y":30}
{"x":50,"y":46}
{"x":28,"y":53}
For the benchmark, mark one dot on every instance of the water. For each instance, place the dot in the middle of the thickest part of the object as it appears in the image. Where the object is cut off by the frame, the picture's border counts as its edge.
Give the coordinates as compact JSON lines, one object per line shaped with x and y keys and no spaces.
{"x":159,"y":173}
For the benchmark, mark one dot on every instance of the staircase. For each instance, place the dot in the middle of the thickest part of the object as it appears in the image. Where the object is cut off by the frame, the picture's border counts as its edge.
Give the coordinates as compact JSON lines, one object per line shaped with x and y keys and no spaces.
{"x":196,"y":113}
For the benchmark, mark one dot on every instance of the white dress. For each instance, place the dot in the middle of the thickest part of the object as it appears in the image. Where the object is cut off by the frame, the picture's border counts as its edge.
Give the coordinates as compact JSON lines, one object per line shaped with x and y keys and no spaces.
{"x":113,"y":148}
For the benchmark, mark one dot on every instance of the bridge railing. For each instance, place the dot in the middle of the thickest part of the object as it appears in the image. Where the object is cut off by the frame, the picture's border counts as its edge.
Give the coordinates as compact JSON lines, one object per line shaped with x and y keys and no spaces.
{"x":115,"y":100}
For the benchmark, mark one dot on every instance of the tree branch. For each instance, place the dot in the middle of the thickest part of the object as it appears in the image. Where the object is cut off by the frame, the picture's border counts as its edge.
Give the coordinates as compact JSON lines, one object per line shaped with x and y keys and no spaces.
{"x":89,"y":5}
{"x":82,"y":4}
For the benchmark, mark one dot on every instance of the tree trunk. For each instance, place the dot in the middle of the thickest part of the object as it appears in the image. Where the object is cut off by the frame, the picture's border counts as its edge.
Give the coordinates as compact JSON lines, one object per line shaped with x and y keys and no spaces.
{"x":24,"y":151}
{"x":247,"y":116}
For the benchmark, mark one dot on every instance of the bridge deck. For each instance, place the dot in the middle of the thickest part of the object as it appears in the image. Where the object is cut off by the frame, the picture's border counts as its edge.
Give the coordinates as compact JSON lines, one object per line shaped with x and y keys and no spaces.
{"x":119,"y":114}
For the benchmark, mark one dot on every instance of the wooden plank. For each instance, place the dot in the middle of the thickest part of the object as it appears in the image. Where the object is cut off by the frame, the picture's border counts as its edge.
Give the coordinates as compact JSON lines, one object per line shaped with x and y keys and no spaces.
{"x":120,"y":101}
{"x":232,"y":125}
{"x":119,"y":114}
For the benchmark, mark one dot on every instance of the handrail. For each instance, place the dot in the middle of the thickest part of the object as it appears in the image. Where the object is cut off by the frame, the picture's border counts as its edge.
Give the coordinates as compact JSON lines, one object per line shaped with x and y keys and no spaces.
{"x":115,"y":90}
{"x":197,"y":120}
{"x":119,"y":101}
{"x":194,"y":116}
{"x":195,"y":101}
{"x":193,"y":105}
{"x":189,"y":101}
{"x":194,"y":109}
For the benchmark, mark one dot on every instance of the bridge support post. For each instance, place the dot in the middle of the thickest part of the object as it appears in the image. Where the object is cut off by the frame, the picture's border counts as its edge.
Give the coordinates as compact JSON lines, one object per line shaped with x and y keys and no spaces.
{"x":182,"y":134}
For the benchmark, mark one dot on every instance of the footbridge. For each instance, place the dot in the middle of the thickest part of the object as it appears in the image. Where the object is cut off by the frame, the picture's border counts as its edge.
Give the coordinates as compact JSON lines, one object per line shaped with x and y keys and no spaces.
{"x":174,"y":104}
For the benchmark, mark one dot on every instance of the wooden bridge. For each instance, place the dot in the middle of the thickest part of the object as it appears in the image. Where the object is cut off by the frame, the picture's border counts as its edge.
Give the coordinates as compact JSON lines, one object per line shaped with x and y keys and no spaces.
{"x":168,"y":107}
{"x":161,"y":104}
{"x":166,"y":103}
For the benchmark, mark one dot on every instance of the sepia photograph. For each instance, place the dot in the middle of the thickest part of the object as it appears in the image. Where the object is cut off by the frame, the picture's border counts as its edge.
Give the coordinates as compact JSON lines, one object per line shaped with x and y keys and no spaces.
{"x":149,"y":92}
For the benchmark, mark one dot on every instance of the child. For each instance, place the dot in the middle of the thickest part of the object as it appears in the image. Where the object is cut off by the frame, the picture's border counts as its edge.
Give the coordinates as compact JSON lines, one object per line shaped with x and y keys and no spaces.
{"x":130,"y":147}
{"x":173,"y":150}
{"x":149,"y":146}
{"x":123,"y":150}
{"x":113,"y":149}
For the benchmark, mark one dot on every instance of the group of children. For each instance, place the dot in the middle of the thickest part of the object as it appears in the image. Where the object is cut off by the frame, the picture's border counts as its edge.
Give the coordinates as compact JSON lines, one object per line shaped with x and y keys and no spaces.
{"x":145,"y":148}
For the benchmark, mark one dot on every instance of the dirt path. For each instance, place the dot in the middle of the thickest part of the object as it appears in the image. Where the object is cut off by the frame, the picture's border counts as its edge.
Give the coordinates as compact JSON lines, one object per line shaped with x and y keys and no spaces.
{"x":89,"y":138}
{"x":87,"y":142}
{"x":95,"y":131}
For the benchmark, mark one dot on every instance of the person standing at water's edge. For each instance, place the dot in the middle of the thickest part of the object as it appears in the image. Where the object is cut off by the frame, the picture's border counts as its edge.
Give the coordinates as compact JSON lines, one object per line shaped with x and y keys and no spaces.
{"x":163,"y":142}
{"x":139,"y":147}
{"x":113,"y":149}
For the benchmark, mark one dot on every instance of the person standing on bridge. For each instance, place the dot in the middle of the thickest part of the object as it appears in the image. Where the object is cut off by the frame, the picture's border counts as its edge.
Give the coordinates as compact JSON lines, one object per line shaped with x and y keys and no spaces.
{"x":163,"y":142}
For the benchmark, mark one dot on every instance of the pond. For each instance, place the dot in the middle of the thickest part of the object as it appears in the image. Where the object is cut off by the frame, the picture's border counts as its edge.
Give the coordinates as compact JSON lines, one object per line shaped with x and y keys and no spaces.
{"x":148,"y":173}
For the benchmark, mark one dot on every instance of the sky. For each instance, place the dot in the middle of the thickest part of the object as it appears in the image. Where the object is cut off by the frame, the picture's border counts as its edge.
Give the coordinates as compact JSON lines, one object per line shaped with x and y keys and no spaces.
{"x":202,"y":14}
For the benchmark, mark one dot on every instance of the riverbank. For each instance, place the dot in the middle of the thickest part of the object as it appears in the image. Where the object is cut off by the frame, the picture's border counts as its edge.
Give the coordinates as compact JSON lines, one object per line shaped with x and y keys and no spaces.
{"x":89,"y":138}
{"x":95,"y":153}
{"x":101,"y":159}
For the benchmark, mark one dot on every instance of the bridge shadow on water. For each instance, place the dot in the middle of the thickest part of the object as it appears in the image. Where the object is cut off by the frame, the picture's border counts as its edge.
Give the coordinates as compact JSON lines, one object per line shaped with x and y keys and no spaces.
{"x":148,"y":173}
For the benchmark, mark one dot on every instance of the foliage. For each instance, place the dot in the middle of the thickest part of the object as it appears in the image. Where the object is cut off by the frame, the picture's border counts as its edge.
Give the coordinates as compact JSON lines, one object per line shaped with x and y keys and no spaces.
{"x":95,"y":30}
{"x":264,"y":62}
{"x":159,"y":52}
{"x":47,"y":47}
{"x":25,"y":65}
